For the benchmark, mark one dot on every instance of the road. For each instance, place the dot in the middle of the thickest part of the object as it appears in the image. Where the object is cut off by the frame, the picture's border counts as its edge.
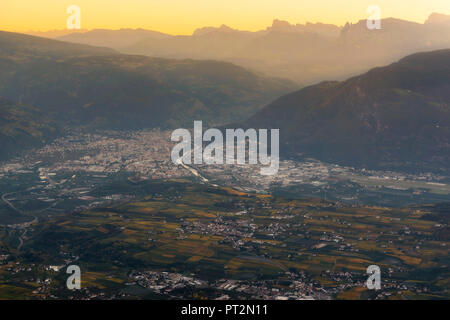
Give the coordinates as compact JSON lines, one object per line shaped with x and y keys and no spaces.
{"x":19,"y":225}
{"x":10,"y":204}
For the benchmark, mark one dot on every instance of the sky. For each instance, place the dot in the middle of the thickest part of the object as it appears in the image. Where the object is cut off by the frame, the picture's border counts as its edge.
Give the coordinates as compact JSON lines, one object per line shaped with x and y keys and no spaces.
{"x":184,"y":16}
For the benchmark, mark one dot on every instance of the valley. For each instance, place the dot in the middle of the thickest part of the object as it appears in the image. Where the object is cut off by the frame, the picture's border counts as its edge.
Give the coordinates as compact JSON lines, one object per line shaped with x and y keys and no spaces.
{"x":71,"y":174}
{"x":363,"y":177}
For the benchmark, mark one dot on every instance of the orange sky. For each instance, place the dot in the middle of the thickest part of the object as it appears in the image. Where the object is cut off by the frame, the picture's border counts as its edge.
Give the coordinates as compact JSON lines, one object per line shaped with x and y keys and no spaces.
{"x":184,"y":16}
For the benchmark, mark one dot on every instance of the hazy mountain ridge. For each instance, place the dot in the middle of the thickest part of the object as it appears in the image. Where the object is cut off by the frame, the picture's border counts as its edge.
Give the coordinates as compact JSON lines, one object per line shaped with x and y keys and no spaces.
{"x":438,"y":18}
{"x":20,"y":47}
{"x":323,"y":29}
{"x":391,"y":117}
{"x":112,"y":38}
{"x":305,"y":53}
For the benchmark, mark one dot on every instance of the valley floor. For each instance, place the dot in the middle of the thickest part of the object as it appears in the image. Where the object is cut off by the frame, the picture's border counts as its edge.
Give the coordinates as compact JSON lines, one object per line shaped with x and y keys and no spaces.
{"x":141,"y":227}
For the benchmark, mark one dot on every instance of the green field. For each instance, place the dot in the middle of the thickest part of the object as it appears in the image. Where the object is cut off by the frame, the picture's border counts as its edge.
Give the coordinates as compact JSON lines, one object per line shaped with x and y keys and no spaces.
{"x":257,"y":237}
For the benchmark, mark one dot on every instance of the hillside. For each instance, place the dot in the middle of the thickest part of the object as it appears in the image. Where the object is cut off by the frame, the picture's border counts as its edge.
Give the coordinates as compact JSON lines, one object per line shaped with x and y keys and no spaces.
{"x":22,"y":47}
{"x":96,"y":87}
{"x":22,"y":127}
{"x":391,"y":117}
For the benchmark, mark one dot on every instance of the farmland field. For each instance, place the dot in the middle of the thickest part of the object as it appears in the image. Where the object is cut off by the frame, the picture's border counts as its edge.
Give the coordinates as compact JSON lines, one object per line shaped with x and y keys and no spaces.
{"x":261,"y":244}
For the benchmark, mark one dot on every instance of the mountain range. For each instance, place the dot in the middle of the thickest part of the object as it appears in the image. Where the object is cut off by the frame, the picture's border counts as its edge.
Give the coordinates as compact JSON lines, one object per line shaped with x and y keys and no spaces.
{"x":305,"y":53}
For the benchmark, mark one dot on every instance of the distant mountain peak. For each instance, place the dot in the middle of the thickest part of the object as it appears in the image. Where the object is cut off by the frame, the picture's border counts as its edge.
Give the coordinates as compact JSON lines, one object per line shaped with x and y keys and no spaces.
{"x":222,"y":29}
{"x":225,"y":27}
{"x":319,"y":28}
{"x":438,"y":18}
{"x":391,"y":24}
{"x":280,"y":24}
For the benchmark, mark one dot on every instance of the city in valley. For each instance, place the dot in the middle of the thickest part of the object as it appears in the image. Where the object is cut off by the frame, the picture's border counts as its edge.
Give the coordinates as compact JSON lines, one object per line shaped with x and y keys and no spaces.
{"x":139,"y":225}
